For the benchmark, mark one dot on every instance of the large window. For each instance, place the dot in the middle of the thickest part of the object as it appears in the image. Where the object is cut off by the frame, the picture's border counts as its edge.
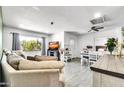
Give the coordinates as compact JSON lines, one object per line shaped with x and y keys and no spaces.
{"x":29,"y":43}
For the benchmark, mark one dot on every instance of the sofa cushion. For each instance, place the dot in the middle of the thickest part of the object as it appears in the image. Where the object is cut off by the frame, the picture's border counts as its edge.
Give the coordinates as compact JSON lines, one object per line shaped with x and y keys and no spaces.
{"x":45,"y":58}
{"x":31,"y":58}
{"x":30,"y":65}
{"x":13,"y":60}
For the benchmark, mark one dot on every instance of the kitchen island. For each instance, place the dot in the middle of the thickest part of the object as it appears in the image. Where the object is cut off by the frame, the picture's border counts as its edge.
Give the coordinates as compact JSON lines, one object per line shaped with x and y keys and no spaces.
{"x":108,"y":71}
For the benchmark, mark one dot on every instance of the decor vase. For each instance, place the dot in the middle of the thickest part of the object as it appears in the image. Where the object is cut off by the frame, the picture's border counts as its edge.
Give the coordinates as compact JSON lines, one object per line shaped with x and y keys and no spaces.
{"x":110,"y":49}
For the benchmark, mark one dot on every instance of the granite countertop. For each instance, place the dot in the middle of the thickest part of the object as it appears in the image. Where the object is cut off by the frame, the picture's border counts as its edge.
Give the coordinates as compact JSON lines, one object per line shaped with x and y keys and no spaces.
{"x":110,"y":65}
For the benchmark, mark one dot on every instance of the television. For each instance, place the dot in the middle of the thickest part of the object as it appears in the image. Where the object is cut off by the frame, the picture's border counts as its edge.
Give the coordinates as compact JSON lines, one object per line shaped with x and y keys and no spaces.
{"x":54,"y":45}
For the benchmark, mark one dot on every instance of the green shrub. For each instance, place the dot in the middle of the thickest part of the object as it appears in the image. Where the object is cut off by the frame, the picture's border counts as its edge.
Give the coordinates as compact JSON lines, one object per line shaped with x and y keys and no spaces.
{"x":32,"y":45}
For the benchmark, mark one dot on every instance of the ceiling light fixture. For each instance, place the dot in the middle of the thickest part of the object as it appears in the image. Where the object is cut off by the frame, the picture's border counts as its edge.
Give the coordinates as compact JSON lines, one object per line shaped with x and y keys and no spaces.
{"x":36,"y":8}
{"x":97,"y":15}
{"x":21,"y":25}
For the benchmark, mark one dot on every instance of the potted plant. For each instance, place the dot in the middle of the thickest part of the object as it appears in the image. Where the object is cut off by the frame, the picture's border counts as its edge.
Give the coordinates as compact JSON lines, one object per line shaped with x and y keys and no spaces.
{"x":111,"y":44}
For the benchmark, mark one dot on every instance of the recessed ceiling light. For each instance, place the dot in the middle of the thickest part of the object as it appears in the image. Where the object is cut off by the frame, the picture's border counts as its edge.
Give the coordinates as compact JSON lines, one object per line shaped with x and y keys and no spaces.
{"x":97,"y":15}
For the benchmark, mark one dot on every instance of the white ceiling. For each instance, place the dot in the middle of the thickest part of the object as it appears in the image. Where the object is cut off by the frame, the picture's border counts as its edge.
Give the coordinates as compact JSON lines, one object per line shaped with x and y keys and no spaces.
{"x":65,"y":18}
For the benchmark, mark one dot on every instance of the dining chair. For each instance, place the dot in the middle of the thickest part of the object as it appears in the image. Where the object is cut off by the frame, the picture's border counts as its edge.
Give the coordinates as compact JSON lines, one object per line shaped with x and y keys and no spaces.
{"x":93,"y":57}
{"x":84,"y":56}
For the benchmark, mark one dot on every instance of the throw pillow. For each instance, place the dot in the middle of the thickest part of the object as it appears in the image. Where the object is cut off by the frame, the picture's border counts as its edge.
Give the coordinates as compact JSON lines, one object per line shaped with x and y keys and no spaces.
{"x":13,"y":60}
{"x":7,"y":52}
{"x":20,"y":53}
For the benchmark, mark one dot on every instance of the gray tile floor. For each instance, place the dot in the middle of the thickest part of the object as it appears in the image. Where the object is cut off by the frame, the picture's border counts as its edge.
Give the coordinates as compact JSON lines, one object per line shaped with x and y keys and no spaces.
{"x":77,"y":75}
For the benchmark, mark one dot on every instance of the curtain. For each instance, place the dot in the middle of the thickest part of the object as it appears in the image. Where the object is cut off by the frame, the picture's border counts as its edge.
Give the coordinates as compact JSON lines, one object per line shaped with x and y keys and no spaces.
{"x":15,"y":41}
{"x":44,"y":46}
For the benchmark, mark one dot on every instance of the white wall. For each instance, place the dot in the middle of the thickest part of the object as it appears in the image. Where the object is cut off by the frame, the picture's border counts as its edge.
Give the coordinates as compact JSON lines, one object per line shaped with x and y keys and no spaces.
{"x":80,"y":41}
{"x":58,"y":37}
{"x":7,"y":38}
{"x":89,"y":39}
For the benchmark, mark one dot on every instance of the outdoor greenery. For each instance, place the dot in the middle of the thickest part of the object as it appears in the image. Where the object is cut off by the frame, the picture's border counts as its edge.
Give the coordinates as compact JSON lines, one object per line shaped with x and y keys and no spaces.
{"x":122,"y":33}
{"x":31,"y":45}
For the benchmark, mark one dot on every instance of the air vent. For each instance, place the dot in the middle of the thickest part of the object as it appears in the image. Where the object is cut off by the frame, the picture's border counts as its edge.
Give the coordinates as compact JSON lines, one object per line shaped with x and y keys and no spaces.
{"x":98,"y":20}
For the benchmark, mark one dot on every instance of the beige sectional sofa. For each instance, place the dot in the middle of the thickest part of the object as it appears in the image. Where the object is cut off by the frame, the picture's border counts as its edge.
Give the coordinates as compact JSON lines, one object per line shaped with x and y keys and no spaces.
{"x":52,"y":77}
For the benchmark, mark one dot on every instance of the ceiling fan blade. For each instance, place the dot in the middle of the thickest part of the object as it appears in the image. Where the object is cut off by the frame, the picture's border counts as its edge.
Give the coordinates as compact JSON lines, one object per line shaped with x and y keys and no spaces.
{"x":90,"y":30}
{"x":100,"y":28}
{"x":95,"y":29}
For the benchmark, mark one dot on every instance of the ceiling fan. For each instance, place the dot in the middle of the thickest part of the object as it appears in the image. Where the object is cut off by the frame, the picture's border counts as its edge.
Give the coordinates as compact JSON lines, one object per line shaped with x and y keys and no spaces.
{"x":95,"y":28}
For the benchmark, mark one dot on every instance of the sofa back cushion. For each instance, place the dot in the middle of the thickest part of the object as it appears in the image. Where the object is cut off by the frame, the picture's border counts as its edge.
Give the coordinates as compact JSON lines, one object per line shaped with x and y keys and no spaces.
{"x":31,"y":65}
{"x":14,"y":59}
{"x":45,"y":58}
